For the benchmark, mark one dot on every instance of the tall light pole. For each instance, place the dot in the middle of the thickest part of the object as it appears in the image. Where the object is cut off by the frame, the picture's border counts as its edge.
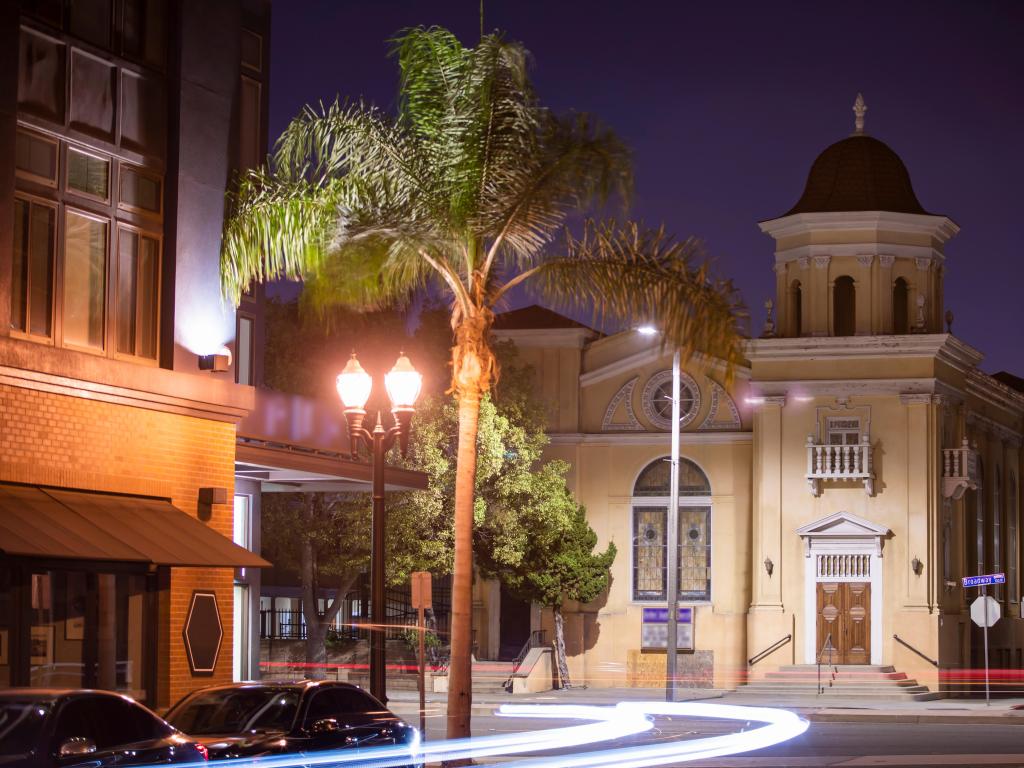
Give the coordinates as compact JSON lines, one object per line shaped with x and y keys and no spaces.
{"x":403,"y":385}
{"x":672,"y":535}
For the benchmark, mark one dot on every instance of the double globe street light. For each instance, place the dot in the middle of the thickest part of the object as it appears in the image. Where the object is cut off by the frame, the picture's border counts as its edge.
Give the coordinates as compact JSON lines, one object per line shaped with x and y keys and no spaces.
{"x":403,"y":384}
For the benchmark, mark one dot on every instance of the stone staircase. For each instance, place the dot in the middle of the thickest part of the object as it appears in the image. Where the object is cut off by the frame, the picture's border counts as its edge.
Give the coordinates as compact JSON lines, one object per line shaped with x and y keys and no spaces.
{"x":847,"y":682}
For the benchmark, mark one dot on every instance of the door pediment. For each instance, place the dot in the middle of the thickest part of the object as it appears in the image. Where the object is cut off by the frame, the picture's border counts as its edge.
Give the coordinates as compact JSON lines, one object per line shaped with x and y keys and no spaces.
{"x":843,"y":527}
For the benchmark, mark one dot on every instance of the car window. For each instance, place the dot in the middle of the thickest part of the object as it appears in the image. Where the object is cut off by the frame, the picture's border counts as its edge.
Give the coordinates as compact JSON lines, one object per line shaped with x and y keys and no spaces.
{"x":235,"y":710}
{"x":108,"y":721}
{"x":338,"y":702}
{"x":75,"y":721}
{"x":21,"y":726}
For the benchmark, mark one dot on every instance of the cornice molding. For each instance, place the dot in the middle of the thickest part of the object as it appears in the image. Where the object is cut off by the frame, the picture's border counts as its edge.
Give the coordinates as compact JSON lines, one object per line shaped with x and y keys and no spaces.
{"x":994,"y":392}
{"x":650,"y":438}
{"x":940,"y":227}
{"x":943,"y":346}
{"x":630,"y":363}
{"x":932,"y":388}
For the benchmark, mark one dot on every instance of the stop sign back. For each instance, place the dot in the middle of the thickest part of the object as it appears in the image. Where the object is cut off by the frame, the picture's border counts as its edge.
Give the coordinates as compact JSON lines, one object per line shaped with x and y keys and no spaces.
{"x":985,"y":611}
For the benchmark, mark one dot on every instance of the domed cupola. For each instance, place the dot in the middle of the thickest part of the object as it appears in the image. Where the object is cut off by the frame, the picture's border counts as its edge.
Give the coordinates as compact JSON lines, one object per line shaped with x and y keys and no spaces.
{"x":858,"y":254}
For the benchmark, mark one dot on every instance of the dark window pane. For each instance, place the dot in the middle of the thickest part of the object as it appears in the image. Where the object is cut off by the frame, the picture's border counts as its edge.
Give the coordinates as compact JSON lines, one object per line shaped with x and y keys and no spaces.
{"x":44,"y":10}
{"x":19,"y":271}
{"x":654,"y":479}
{"x":136,"y":295}
{"x":90,"y":20}
{"x":36,"y":156}
{"x":92,"y":95}
{"x":75,"y":721}
{"x":85,"y":279}
{"x":143,"y":113}
{"x":41,"y":76}
{"x":88,"y":174}
{"x":139,"y":190}
{"x":243,"y":368}
{"x":337,"y":703}
{"x":252,"y":50}
{"x":249,"y":125}
{"x":41,"y":269}
{"x":142,"y":30}
{"x":21,"y":726}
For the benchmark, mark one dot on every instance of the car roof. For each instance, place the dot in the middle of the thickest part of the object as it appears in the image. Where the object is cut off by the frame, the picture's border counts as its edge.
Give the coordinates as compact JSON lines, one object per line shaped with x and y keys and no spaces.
{"x":280,"y":684}
{"x":52,"y":694}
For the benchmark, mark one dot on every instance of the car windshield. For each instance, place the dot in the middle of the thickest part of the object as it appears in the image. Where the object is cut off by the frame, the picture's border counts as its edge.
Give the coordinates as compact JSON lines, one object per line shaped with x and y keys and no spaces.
{"x":236,"y":710}
{"x":21,"y":723}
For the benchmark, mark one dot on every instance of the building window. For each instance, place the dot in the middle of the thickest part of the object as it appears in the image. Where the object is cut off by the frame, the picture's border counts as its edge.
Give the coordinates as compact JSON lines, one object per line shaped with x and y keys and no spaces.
{"x":1012,"y":543}
{"x":900,"y":306}
{"x":650,"y":517}
{"x":252,"y":50}
{"x":657,"y":399}
{"x":242,"y":529}
{"x":138,"y":279}
{"x":243,"y":351}
{"x":32,"y":267}
{"x":88,"y":175}
{"x":139,"y":191}
{"x":35,"y":158}
{"x":976,"y":559}
{"x":844,"y":307}
{"x":796,"y":305}
{"x":997,"y":526}
{"x":249,"y":124}
{"x":842,"y":430}
{"x":85,"y":280}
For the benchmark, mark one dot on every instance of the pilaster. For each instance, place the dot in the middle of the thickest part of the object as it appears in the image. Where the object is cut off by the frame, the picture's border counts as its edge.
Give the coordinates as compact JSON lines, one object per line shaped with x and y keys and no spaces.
{"x":922,"y":502}
{"x":767,"y":528}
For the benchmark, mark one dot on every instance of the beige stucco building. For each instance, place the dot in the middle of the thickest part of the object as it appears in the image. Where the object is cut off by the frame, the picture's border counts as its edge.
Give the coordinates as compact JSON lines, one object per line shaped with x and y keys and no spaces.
{"x":859,"y":464}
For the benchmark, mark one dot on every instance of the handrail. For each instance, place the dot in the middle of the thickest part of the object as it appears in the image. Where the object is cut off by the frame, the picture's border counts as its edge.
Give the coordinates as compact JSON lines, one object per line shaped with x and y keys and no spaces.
{"x":769,"y":650}
{"x":536,"y":640}
{"x":827,"y":644}
{"x":905,"y":644}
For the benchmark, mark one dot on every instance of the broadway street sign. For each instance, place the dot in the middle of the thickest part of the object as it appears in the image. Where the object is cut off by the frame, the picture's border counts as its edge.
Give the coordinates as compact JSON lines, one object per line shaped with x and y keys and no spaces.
{"x":981,"y":581}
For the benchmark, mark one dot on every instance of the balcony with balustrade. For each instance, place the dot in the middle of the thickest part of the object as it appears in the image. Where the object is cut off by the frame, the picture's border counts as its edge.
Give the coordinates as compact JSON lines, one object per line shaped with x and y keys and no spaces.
{"x":959,"y":470}
{"x":839,"y":463}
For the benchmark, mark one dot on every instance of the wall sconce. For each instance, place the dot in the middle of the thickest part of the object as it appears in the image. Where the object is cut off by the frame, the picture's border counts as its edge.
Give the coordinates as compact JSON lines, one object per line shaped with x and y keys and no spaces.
{"x":207,"y":498}
{"x":916,"y":566}
{"x":217,"y":363}
{"x":769,"y":566}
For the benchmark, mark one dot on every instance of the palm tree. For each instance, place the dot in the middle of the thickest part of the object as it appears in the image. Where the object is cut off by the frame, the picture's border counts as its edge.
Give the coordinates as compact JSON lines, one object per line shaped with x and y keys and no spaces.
{"x":467,"y":192}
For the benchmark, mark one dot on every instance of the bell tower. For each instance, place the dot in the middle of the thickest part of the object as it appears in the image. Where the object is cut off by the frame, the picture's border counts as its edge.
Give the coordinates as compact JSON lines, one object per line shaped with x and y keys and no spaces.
{"x":858,"y":255}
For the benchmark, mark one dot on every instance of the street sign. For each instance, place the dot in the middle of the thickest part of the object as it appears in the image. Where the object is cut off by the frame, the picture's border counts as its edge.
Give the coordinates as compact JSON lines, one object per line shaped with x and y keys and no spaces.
{"x":985,"y":611}
{"x":981,"y":581}
{"x":421,"y":589}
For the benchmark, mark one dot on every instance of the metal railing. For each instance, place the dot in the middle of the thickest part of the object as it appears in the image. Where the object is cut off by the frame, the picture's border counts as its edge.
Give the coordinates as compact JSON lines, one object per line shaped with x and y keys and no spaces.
{"x":905,"y":644}
{"x":536,"y":640}
{"x":830,"y":647}
{"x":769,"y":650}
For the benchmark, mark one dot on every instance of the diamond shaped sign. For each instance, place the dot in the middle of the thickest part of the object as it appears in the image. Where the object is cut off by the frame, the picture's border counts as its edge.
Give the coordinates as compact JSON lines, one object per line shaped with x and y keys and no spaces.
{"x":203,"y":633}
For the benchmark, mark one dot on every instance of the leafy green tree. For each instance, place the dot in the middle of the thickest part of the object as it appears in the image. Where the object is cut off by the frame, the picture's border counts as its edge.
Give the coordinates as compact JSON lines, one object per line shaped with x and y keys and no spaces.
{"x":556,"y":561}
{"x":466,"y":191}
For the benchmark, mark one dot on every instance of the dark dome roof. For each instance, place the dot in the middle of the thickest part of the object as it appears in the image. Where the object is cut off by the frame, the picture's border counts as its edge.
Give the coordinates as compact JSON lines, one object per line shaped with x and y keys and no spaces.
{"x":858,"y":173}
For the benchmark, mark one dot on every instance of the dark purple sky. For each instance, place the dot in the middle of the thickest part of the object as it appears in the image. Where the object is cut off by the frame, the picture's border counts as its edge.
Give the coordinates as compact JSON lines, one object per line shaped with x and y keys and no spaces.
{"x":726,"y":105}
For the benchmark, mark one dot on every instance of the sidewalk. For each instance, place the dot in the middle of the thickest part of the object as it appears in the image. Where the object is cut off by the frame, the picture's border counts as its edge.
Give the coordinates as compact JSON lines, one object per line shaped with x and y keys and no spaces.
{"x":835,"y":710}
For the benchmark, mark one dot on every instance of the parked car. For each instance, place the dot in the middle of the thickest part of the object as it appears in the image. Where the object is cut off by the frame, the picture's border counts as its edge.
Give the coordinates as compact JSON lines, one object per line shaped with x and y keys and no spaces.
{"x":254,"y":719}
{"x":42,"y":728}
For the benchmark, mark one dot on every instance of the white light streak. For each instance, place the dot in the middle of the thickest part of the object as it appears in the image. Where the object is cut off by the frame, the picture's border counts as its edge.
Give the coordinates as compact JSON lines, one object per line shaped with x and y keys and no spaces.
{"x":608,"y":723}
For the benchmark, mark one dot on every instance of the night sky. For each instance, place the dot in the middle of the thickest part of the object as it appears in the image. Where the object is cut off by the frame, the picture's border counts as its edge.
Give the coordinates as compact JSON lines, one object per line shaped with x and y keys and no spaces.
{"x":726,"y":105}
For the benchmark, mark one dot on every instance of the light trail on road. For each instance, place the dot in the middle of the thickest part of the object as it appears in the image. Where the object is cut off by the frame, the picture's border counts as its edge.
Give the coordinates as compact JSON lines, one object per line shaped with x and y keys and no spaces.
{"x":608,"y":723}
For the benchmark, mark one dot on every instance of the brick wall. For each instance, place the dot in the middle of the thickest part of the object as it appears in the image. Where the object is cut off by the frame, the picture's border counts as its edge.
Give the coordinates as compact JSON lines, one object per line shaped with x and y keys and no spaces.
{"x":83,"y":444}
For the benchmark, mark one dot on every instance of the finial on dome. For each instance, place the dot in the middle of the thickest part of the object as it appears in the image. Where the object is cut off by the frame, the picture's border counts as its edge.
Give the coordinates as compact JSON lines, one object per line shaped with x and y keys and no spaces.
{"x":859,"y":108}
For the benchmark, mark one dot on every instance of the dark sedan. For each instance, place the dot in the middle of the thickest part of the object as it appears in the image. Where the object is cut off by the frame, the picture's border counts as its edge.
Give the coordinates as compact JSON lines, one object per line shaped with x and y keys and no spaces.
{"x":64,"y":729}
{"x":253,"y":719}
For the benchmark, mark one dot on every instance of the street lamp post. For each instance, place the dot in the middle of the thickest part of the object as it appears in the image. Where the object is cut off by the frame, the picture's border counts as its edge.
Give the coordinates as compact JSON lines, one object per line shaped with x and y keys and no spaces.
{"x":672,"y":537}
{"x":403,"y":385}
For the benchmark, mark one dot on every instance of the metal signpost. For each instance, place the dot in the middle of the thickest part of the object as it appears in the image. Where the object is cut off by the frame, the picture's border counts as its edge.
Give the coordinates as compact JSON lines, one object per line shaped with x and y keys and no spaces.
{"x":672,"y":525}
{"x":985,"y":612}
{"x":421,"y":594}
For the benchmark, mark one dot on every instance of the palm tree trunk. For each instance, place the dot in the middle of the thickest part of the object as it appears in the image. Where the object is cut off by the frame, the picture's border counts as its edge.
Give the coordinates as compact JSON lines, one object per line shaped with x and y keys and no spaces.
{"x":460,"y":672}
{"x":560,"y":661}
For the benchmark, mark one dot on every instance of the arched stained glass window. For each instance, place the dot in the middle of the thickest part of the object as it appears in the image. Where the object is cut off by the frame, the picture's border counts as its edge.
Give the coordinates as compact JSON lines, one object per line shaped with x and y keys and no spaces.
{"x":655,"y":479}
{"x":650,"y":515}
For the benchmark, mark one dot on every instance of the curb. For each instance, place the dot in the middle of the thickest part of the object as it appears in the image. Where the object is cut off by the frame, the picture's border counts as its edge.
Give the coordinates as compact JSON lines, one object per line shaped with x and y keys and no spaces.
{"x":912,"y":718}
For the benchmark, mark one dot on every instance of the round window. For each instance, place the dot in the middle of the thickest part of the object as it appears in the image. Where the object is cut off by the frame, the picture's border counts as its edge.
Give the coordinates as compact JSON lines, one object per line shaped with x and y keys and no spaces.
{"x":657,"y":399}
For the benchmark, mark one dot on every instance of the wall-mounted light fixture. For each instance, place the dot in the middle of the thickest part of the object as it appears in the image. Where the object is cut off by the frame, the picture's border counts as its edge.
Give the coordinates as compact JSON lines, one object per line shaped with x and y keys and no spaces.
{"x":219,"y":362}
{"x":917,"y":566}
{"x":207,"y":498}
{"x":769,"y":566}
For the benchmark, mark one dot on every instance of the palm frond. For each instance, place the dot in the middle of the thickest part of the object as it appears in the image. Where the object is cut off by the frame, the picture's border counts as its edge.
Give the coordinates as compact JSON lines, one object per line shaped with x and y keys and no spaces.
{"x":633,"y":275}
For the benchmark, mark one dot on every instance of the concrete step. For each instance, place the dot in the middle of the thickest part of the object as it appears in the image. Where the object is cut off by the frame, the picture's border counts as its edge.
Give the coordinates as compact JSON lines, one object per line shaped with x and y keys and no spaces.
{"x":838,"y":690}
{"x":798,"y":696}
{"x":843,"y":675}
{"x":840,"y":667}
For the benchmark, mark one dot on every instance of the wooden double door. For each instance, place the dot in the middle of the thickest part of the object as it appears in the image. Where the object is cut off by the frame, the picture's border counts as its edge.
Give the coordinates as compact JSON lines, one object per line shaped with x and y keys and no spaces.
{"x":844,"y":620}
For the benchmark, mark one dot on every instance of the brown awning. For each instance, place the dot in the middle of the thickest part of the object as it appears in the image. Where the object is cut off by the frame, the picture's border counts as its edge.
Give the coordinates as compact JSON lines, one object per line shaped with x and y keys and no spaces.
{"x":48,"y":522}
